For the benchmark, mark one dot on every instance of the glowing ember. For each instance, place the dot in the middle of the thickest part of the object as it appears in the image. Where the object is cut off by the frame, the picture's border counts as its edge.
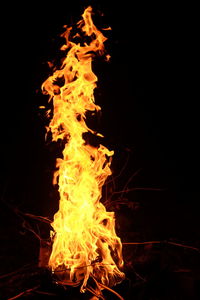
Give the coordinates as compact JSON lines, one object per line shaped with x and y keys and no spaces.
{"x":84,"y":241}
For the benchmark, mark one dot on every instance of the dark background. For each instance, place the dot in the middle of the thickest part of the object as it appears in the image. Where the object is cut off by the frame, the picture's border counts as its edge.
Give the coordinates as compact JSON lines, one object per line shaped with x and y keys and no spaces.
{"x":149,"y":117}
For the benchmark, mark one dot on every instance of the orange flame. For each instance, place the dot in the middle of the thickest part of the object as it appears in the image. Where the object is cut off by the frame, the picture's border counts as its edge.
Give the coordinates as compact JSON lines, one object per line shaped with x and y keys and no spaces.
{"x":84,"y":240}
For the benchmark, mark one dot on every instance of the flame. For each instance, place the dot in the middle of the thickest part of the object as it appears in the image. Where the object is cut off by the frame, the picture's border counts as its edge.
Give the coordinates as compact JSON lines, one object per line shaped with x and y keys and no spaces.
{"x":84,"y":241}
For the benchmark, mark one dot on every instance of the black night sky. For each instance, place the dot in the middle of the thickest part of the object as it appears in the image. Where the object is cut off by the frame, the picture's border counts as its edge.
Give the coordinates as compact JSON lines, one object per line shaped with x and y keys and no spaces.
{"x":149,"y":118}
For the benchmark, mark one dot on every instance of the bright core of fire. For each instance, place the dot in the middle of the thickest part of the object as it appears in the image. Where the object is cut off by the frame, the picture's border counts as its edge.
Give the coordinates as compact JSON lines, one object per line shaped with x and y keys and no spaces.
{"x":84,"y":241}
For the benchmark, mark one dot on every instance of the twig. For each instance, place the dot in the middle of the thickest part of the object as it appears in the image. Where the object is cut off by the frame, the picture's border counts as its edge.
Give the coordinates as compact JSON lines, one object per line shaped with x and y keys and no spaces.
{"x":137,"y":189}
{"x":15,"y":272}
{"x":111,"y":290}
{"x":45,"y":293}
{"x":121,"y":171}
{"x":129,"y":180}
{"x":92,"y":291}
{"x":86,"y":266}
{"x":97,"y":284}
{"x":184,"y":246}
{"x":163,"y":242}
{"x":24,"y":293}
{"x":142,"y":243}
{"x":139,"y":276}
{"x":31,"y":230}
{"x":39,"y":218}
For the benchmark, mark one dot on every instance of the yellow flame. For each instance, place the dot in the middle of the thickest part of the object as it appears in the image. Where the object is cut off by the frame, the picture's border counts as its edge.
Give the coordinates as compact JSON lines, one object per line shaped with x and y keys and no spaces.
{"x":84,"y":240}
